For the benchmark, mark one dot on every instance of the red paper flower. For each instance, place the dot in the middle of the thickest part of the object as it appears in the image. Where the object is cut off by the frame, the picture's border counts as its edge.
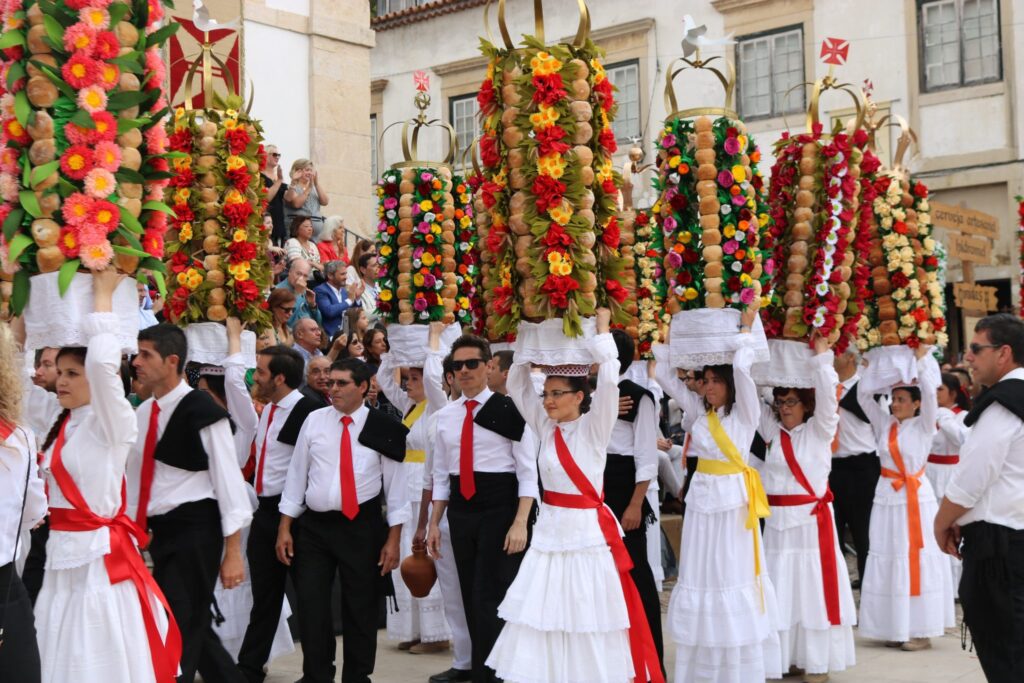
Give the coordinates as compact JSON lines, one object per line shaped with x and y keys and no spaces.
{"x":615,"y":290}
{"x":246,"y":291}
{"x":548,"y":192}
{"x":80,"y":71}
{"x":548,"y":89}
{"x":549,"y":140}
{"x":77,"y":161}
{"x":607,"y":140}
{"x":485,"y":98}
{"x":238,"y":139}
{"x":557,"y":287}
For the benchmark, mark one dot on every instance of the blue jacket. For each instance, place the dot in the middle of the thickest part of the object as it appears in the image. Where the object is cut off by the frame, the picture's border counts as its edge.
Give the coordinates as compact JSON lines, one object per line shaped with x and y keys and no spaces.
{"x":331,"y":309}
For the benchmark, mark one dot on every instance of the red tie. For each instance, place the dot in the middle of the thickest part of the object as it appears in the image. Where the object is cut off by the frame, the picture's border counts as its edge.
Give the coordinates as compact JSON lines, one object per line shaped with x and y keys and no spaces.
{"x":148,"y":464}
{"x":349,"y":497}
{"x":467,"y":485}
{"x":263,"y":451}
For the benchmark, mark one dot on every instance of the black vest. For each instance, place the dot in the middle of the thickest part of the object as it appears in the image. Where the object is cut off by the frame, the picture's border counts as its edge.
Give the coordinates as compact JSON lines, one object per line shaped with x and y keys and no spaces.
{"x":1009,"y":394}
{"x":850,"y":403}
{"x":635,"y":392}
{"x":500,"y":415}
{"x":180,"y":446}
{"x":384,"y":434}
{"x":289,"y":433}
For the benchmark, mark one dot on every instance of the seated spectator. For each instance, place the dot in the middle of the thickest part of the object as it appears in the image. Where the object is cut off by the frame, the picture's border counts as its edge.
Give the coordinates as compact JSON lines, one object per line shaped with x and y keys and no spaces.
{"x":368,"y":272}
{"x":305,"y":299}
{"x":301,"y":245}
{"x":307,"y":339}
{"x":375,"y":343}
{"x":331,"y":241}
{"x":363,"y":246}
{"x":318,"y":371}
{"x":281,"y":303}
{"x":354,"y":348}
{"x":332,"y":299}
{"x":356,"y":322}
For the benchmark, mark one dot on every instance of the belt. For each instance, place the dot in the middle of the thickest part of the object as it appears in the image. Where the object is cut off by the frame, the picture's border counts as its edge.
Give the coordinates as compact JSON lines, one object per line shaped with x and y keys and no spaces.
{"x":912,"y":482}
{"x":944,"y":459}
{"x":413,"y":455}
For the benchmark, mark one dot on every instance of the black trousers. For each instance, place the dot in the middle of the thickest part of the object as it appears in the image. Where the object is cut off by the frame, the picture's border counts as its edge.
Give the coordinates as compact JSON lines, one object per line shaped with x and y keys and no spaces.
{"x":619,"y":484}
{"x":268,"y":576}
{"x":19,"y":653}
{"x":478,"y":528}
{"x":992,"y":596}
{"x":691,"y":468}
{"x":333,"y":544}
{"x":187,"y":549}
{"x":35,"y":563}
{"x":853,"y":480}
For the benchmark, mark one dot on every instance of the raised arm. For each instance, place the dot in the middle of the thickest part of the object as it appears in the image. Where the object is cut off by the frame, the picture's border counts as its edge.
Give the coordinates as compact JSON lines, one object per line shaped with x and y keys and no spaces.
{"x":878,"y":417}
{"x":604,"y":408}
{"x":748,"y":403}
{"x":689,"y":402}
{"x":929,"y":377}
{"x":243,"y":412}
{"x":825,"y":420}
{"x":386,"y":381}
{"x":433,"y":370}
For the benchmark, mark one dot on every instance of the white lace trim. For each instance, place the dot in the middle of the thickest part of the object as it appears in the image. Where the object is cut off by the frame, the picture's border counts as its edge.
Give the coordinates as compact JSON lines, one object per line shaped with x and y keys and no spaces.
{"x":544,"y":343}
{"x":208,"y":343}
{"x":56,"y":321}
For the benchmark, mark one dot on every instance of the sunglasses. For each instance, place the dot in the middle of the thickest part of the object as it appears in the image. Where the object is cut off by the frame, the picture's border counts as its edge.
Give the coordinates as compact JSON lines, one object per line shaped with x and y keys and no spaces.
{"x":976,"y":348}
{"x":555,"y":394}
{"x":471,"y":364}
{"x":789,"y":402}
{"x":287,"y":309}
{"x":338,"y":382}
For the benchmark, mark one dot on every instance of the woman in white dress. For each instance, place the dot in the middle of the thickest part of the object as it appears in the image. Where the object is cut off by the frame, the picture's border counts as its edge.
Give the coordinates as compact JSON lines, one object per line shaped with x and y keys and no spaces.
{"x":812,"y":586}
{"x":906,"y":596}
{"x":954,"y":404}
{"x":419,"y":625}
{"x":101,"y":617}
{"x":22,"y":506}
{"x":722,"y":611}
{"x":573,"y":615}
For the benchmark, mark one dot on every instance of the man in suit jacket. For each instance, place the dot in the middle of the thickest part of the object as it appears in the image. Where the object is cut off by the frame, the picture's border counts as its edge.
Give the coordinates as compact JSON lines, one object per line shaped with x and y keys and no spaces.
{"x":332,"y":299}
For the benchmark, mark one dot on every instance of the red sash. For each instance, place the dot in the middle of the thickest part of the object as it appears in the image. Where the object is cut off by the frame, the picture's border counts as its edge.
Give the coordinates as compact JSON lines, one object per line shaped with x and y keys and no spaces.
{"x":641,"y":643}
{"x":944,"y":459}
{"x":900,"y":478}
{"x":124,"y":563}
{"x":826,"y":532}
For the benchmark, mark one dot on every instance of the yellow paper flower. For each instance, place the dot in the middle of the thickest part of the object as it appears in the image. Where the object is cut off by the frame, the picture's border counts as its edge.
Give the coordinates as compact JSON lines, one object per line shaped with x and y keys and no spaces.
{"x":544,"y":64}
{"x":554,"y":257}
{"x":182,"y":163}
{"x":690,"y":293}
{"x":233,"y":196}
{"x":426,"y":205}
{"x":385,"y":295}
{"x":235,"y":162}
{"x":428,"y":259}
{"x":185,"y":234}
{"x":546,"y":116}
{"x":385,"y":250}
{"x":181,"y":195}
{"x":561,"y":213}
{"x":729,"y":231}
{"x":417,"y":279}
{"x":552,"y":164}
{"x":239,"y":236}
{"x":739,"y":173}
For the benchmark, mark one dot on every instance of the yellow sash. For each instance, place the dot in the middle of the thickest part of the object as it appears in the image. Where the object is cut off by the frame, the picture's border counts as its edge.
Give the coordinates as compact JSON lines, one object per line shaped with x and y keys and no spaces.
{"x":757,"y":500}
{"x":415,"y":455}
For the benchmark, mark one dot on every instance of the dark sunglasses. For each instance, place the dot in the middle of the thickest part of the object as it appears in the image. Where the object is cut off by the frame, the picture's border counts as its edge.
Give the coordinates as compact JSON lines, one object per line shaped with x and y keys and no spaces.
{"x":976,"y":348}
{"x":287,"y":309}
{"x":275,"y":154}
{"x":471,"y":364}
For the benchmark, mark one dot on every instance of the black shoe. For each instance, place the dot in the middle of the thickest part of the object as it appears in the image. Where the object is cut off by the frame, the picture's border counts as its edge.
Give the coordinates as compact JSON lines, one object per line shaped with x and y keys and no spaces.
{"x":452,"y":675}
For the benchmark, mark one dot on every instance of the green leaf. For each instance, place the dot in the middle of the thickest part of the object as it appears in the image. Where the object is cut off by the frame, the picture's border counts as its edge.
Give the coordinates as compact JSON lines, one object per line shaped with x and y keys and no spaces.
{"x":117,"y":12}
{"x":131,"y":222}
{"x":127,"y":175}
{"x":130,"y":61}
{"x":30,"y":203}
{"x":20,"y":242}
{"x":152,"y":263}
{"x":54,"y":31}
{"x":55,"y":78}
{"x":41,"y":173}
{"x":67,"y":273}
{"x":15,"y":73}
{"x":22,"y":108}
{"x":83,"y":119}
{"x":152,"y":205}
{"x":160,"y":175}
{"x":157,"y":38}
{"x":125,"y":125}
{"x":130,"y":251}
{"x":26,"y":169}
{"x":161,"y":285}
{"x":65,"y":188}
{"x":125,"y":99}
{"x":19,"y":297}
{"x":11,"y":38}
{"x":132,"y":240}
{"x":12,"y":223}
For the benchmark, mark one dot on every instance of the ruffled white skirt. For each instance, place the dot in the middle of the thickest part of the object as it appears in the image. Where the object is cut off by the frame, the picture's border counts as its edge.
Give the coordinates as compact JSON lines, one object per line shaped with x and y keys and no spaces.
{"x":806,"y":638}
{"x":940,"y":476}
{"x":417,"y":618}
{"x":565,"y":614}
{"x":887,"y":611}
{"x":721,"y":619}
{"x":90,"y":631}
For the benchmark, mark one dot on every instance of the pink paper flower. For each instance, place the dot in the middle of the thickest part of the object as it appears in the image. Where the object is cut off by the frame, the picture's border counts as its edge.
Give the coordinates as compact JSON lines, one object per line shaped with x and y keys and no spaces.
{"x":92,"y":233}
{"x":156,"y":140}
{"x":670,"y":224}
{"x":668,"y":141}
{"x":730,"y":247}
{"x":155,"y":68}
{"x":96,"y":256}
{"x":79,"y":36}
{"x":420,"y":304}
{"x":76,"y":208}
{"x":92,"y":98}
{"x":674,"y":260}
{"x":100,"y":183}
{"x":9,"y":187}
{"x":108,"y":155}
{"x":725,"y":179}
{"x":747,"y":296}
{"x":732,"y":146}
{"x":390,"y":202}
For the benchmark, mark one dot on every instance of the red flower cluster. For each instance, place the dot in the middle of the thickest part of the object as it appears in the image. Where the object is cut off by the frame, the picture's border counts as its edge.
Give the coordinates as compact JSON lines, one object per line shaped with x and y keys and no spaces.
{"x":237,"y":214}
{"x":557,"y":287}
{"x":549,"y":141}
{"x":548,"y":89}
{"x":238,"y":139}
{"x":485,"y":97}
{"x":548,"y":192}
{"x":246,"y":291}
{"x":241,"y":251}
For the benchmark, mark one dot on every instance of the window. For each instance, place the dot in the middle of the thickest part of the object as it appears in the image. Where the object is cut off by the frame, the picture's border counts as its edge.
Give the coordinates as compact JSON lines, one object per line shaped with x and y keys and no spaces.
{"x":625,"y":76}
{"x":374,"y":171}
{"x":959,"y":43}
{"x":389,"y":6}
{"x":462,"y":112}
{"x":770,"y":64}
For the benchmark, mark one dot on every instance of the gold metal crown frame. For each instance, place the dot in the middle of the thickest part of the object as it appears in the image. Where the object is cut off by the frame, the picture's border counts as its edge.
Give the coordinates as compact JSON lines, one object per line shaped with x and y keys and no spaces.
{"x":728,"y":83}
{"x":411,"y":130}
{"x":582,"y":29}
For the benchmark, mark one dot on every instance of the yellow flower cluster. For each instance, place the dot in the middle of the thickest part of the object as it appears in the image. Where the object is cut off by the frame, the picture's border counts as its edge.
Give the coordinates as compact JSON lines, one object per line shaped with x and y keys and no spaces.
{"x":544,"y":118}
{"x":190,"y":278}
{"x":240,"y":271}
{"x":552,"y":165}
{"x":559,"y":263}
{"x":544,"y":64}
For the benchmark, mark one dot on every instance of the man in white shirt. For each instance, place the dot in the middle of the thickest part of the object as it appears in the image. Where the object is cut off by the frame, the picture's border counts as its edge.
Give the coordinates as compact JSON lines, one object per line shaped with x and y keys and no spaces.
{"x":984,"y":502}
{"x":346,"y":460}
{"x":278,"y":376}
{"x":184,"y":486}
{"x":631,"y":466}
{"x":490,"y":477}
{"x":497,"y":371}
{"x":855,"y":464}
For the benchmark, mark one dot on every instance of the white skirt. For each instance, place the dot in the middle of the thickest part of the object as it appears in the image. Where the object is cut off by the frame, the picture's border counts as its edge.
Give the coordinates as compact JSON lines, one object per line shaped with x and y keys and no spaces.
{"x":566,"y":618}
{"x":807,"y":640}
{"x":887,"y":611}
{"x":417,"y":618}
{"x":92,"y":632}
{"x":940,"y":476}
{"x":721,"y":619}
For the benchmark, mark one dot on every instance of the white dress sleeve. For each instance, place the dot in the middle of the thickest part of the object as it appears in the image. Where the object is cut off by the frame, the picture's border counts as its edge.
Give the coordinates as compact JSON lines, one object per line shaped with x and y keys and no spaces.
{"x":113,"y":412}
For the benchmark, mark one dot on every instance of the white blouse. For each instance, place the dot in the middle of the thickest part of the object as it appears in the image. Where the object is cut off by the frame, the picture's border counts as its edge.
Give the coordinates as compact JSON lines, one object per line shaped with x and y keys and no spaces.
{"x":98,"y":438}
{"x":586,"y":437}
{"x":690,"y":405}
{"x":18,"y":468}
{"x":914,"y":435}
{"x":951,"y":433}
{"x":812,"y":448}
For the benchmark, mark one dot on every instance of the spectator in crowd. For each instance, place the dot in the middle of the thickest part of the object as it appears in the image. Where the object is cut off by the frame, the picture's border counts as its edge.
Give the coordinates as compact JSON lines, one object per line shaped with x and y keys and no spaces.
{"x":363,"y":246}
{"x":332,"y":298}
{"x":307,"y":339}
{"x":331,"y":241}
{"x":305,"y":299}
{"x":146,"y":316}
{"x":368,"y":269}
{"x":300,"y":244}
{"x":273,"y":180}
{"x":497,"y":371}
{"x":375,"y":343}
{"x":356,"y":322}
{"x":318,"y":371}
{"x":966,"y":381}
{"x":338,"y":343}
{"x":281,"y":303}
{"x":305,"y":195}
{"x":354,"y":348}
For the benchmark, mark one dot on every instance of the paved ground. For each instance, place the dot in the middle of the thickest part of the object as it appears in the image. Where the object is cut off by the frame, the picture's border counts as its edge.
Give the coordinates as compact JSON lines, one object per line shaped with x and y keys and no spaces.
{"x":944,"y":663}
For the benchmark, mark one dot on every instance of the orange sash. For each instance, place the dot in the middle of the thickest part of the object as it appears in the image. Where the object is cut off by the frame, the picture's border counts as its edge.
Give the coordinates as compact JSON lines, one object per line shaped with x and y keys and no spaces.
{"x":913,"y":483}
